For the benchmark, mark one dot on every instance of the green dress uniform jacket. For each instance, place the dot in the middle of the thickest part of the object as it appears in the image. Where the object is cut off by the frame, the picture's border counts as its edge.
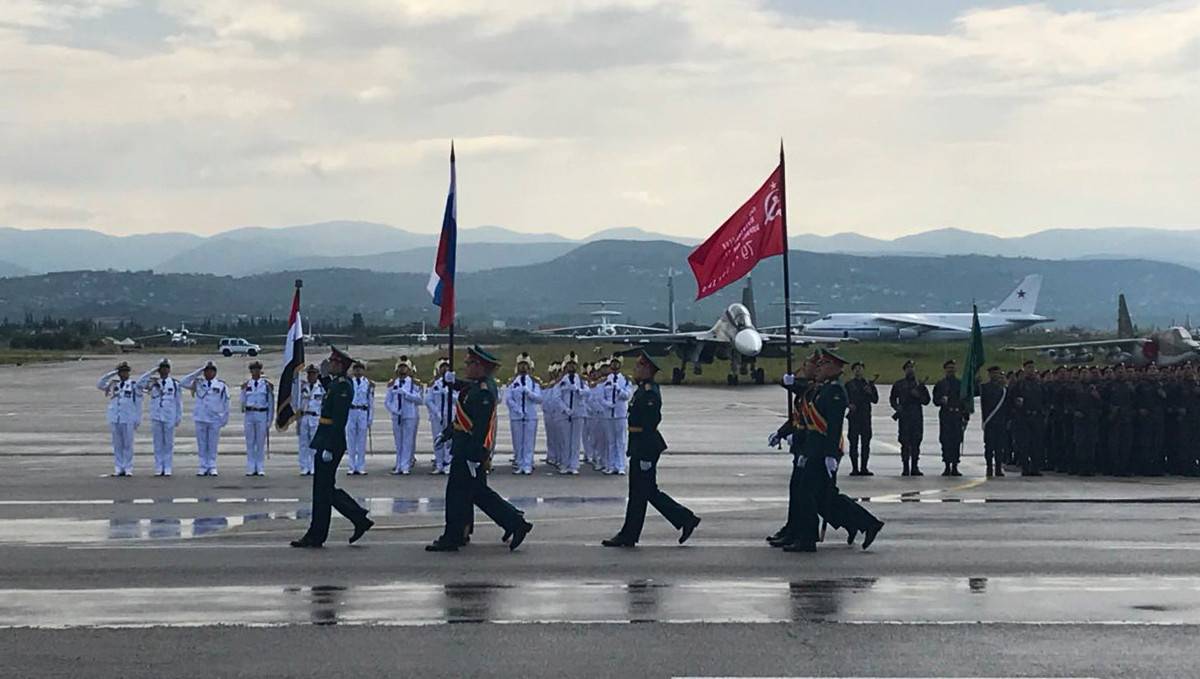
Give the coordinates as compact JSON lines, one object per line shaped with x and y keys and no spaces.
{"x":335,"y":410}
{"x":645,"y":414}
{"x":474,"y":421}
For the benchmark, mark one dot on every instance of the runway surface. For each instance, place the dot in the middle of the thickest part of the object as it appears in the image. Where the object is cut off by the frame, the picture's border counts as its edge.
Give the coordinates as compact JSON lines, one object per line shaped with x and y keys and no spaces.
{"x":188,"y":576}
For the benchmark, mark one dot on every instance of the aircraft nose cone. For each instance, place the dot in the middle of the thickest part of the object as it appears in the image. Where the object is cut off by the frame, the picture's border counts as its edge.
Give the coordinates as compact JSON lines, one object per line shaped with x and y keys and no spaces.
{"x":748,"y":342}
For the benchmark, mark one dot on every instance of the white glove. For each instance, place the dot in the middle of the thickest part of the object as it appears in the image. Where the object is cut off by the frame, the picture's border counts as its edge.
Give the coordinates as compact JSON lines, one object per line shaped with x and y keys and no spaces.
{"x":789,"y":379}
{"x":472,"y":467}
{"x":831,"y":465}
{"x":448,"y":378}
{"x":645,"y":465}
{"x":801,"y":461}
{"x":773,"y":441}
{"x":326,"y":456}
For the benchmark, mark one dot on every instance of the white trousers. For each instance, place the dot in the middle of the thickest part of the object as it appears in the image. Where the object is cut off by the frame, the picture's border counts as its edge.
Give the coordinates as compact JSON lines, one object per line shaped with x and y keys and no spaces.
{"x":616,"y":435}
{"x":404,"y":433}
{"x":164,"y":445}
{"x":207,"y":436}
{"x":524,"y":437}
{"x":306,"y":427}
{"x":599,"y":444}
{"x":441,"y":451}
{"x":122,"y":442}
{"x":256,"y":426}
{"x":572,"y":435}
{"x":357,"y":432}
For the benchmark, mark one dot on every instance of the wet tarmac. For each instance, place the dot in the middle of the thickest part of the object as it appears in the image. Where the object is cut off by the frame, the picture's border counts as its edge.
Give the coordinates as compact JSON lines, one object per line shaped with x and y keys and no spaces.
{"x":882,"y":600}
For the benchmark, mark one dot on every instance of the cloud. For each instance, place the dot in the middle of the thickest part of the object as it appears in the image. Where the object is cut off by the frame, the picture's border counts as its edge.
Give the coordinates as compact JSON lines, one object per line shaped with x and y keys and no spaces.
{"x":202,"y":114}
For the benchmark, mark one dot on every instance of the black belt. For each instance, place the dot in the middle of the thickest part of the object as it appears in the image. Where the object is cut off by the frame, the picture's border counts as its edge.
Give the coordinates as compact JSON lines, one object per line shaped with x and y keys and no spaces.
{"x":312,"y":413}
{"x":257,"y":410}
{"x":358,"y":407}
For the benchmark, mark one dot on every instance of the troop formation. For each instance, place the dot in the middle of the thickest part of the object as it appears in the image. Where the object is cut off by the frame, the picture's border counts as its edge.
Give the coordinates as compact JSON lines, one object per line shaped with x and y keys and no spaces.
{"x":585,"y":408}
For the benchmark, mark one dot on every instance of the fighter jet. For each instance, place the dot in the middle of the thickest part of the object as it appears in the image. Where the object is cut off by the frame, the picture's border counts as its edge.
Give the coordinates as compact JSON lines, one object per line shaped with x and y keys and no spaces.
{"x":1016,"y":312}
{"x":733,"y":337}
{"x":1168,"y":347}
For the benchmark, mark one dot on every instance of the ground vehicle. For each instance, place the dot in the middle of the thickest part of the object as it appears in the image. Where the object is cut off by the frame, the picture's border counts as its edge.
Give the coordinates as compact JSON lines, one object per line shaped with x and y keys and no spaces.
{"x":236,"y":345}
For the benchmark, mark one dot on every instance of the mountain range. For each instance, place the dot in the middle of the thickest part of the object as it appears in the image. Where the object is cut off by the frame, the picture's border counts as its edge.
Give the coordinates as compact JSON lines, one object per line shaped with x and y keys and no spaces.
{"x":380,"y":247}
{"x":531,"y":295}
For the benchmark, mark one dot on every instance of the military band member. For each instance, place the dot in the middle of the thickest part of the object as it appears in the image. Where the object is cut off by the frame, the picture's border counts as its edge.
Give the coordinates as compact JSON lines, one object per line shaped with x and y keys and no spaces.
{"x":403,"y":401}
{"x":862,"y":394}
{"x":995,"y":406}
{"x":522,"y":398}
{"x":614,"y":392}
{"x":210,"y":413}
{"x":362,"y":414}
{"x":553,"y":416}
{"x":570,"y":390}
{"x":947,"y":396}
{"x":473,"y":431}
{"x":907,"y":398}
{"x":594,"y":445}
{"x":645,"y":445}
{"x":258,"y":408}
{"x":330,"y":442}
{"x":124,"y":414}
{"x":166,"y":412}
{"x":437,"y":402}
{"x":311,"y":397}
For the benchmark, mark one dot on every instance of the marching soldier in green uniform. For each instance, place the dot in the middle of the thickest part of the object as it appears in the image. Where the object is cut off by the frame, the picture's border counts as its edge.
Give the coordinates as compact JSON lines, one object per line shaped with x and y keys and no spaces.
{"x":472,"y":433}
{"x":825,"y":416}
{"x":329,"y":444}
{"x":646,"y":444}
{"x":801,"y":387}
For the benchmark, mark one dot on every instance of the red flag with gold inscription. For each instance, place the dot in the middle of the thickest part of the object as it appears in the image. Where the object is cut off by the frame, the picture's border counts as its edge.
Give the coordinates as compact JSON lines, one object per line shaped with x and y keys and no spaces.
{"x":753,"y":233}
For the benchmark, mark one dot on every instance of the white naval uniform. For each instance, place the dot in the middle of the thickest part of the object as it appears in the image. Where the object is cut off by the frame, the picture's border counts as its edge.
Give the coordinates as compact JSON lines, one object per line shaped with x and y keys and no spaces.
{"x":358,"y":424}
{"x":124,"y":414}
{"x":403,"y":400}
{"x":522,"y":398}
{"x":258,"y":410}
{"x":615,"y":392}
{"x":210,"y":413}
{"x":552,"y":415}
{"x":309,"y":416}
{"x":166,"y":412}
{"x":572,"y":398}
{"x":594,"y":438}
{"x":436,"y":398}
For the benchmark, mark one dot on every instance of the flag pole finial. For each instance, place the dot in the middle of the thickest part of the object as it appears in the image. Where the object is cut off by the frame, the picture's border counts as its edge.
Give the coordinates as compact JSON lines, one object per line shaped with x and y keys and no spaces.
{"x":299,"y":283}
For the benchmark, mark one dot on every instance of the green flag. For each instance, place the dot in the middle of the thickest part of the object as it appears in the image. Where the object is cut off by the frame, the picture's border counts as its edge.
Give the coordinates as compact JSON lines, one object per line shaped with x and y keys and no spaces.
{"x":973,"y":363}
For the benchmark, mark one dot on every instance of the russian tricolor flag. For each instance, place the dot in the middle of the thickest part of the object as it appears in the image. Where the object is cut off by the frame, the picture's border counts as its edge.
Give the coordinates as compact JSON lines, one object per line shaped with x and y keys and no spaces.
{"x":441,"y":281}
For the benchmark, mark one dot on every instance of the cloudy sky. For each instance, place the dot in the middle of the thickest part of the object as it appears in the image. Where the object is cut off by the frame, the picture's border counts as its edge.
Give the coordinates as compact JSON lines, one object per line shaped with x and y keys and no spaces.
{"x":579,"y":115}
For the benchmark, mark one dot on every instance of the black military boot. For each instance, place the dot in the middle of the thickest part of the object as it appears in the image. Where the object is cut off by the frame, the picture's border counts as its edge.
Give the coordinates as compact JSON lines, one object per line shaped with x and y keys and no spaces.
{"x":864,"y":471}
{"x":989,"y":469}
{"x":905,"y":472}
{"x":999,"y":469}
{"x":946,"y":471}
{"x":954,"y":470}
{"x":916,"y":471}
{"x":854,"y":466}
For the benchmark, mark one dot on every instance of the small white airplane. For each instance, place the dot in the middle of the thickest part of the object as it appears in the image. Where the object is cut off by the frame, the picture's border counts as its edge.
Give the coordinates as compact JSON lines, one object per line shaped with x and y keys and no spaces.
{"x":421,"y":337}
{"x":1016,"y":312}
{"x":1167,"y":347}
{"x":178,"y":338}
{"x":733,"y":337}
{"x":604,"y":325}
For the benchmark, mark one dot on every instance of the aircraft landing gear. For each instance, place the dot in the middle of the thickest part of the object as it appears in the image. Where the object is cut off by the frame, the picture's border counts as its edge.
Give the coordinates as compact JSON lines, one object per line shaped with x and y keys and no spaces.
{"x":677,"y":375}
{"x":760,"y":376}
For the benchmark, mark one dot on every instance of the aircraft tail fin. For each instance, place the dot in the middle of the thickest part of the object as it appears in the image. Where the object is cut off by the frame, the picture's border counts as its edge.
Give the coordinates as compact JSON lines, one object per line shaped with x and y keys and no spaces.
{"x":671,"y":320}
{"x":1023,"y":299}
{"x":1125,"y":327}
{"x":748,"y":300}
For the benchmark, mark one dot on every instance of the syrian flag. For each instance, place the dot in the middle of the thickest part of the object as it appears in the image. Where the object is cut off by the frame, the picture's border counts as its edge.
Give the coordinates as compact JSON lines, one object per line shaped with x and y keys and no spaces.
{"x":441,"y":281}
{"x":293,"y":362}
